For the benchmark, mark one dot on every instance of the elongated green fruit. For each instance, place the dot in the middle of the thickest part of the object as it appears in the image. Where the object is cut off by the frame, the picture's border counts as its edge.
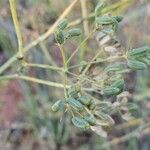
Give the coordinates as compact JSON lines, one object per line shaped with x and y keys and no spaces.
{"x":113,"y":67}
{"x":104,"y":117}
{"x":59,"y":36}
{"x":110,"y":91}
{"x":62,"y":24}
{"x":115,"y":25}
{"x":84,"y":100}
{"x":118,"y":18}
{"x":80,"y":122}
{"x":90,"y":119}
{"x":118,"y":84}
{"x":74,"y":32}
{"x":107,"y":30}
{"x":92,"y":105}
{"x":145,"y":60}
{"x":138,"y":52}
{"x":136,"y":65}
{"x":104,"y":20}
{"x":75,"y":104}
{"x":99,"y":8}
{"x":74,"y":90}
{"x":57,"y":106}
{"x":132,"y":106}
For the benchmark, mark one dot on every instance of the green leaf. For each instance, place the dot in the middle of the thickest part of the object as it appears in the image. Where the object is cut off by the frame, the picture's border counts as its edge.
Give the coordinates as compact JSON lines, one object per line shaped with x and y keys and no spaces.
{"x":58,"y":105}
{"x":80,"y":122}
{"x":75,"y":104}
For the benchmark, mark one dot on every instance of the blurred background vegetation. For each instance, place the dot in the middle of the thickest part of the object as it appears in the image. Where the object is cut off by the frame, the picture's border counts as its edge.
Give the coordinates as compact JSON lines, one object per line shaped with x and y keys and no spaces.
{"x":26,"y":121}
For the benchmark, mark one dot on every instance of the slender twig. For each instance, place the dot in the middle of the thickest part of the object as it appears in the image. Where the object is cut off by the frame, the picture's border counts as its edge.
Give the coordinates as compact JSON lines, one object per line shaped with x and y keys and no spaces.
{"x":25,"y":64}
{"x":17,"y":27}
{"x":77,"y":49}
{"x":65,"y":68}
{"x":32,"y":79}
{"x":84,"y":15}
{"x":109,"y":59}
{"x":46,"y":53}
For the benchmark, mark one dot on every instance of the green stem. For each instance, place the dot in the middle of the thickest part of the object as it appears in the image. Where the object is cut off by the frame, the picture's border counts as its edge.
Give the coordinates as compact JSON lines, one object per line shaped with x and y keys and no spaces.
{"x":65,"y":68}
{"x":112,"y":58}
{"x":27,"y":78}
{"x":77,"y":49}
{"x":17,"y":27}
{"x":42,"y":66}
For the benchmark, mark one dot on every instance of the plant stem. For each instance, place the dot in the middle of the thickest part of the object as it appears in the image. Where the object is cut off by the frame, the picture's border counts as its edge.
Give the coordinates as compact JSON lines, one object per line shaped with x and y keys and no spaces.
{"x":69,"y":59}
{"x":17,"y":27}
{"x":65,"y":68}
{"x":112,"y":58}
{"x":84,"y":15}
{"x":42,"y":66}
{"x":32,"y":79}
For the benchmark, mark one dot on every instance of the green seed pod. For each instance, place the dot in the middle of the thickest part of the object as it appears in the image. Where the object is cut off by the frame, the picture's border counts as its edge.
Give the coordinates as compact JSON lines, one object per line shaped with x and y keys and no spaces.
{"x":115,"y":25}
{"x":62,"y":24}
{"x":74,"y":32}
{"x":138,"y":52}
{"x":57,"y":106}
{"x":104,"y":117}
{"x":118,"y":84}
{"x":107,"y":31}
{"x":118,"y":18}
{"x":113,"y":67}
{"x":132,"y":106}
{"x":99,"y":8}
{"x":59,"y":36}
{"x":110,"y":91}
{"x":80,"y":123}
{"x":145,"y":60}
{"x":74,"y":90}
{"x":105,"y":107}
{"x":90,"y":119}
{"x":84,"y":100}
{"x":136,"y":65}
{"x":75,"y":104}
{"x":92,"y":105}
{"x":104,"y":20}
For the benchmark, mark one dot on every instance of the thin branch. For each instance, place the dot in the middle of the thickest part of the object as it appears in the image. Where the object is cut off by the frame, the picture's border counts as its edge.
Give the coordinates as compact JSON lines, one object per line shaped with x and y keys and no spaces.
{"x":84,"y":15}
{"x":17,"y":27}
{"x":32,"y":79}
